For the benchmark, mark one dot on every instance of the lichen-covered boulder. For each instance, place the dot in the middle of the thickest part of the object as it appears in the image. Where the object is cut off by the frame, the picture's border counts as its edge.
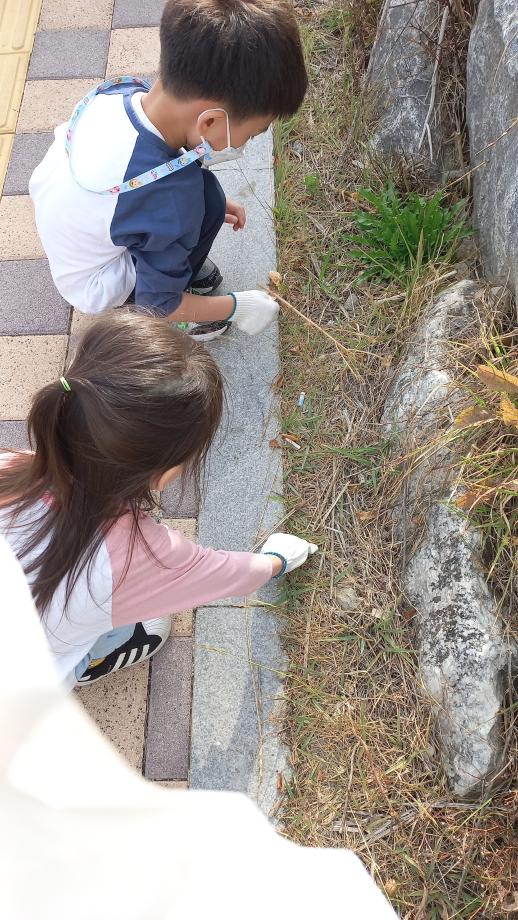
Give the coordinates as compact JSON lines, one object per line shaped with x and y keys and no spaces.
{"x":400,"y":77}
{"x":492,"y":107}
{"x":462,"y":652}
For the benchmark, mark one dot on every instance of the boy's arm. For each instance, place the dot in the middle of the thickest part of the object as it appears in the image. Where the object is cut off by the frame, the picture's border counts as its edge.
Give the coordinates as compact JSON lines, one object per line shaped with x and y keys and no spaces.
{"x":194,"y":308}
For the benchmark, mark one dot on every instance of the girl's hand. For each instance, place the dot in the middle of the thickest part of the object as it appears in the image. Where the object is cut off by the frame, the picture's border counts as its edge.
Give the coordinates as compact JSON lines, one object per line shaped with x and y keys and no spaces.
{"x":235,"y":215}
{"x":290,"y":550}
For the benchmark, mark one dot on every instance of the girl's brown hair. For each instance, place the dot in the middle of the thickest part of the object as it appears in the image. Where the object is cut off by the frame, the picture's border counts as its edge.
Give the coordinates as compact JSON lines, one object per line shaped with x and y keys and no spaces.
{"x":144,"y":398}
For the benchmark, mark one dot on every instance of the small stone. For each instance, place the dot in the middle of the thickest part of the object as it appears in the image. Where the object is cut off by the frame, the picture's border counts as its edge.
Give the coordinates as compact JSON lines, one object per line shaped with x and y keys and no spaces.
{"x":463,"y":270}
{"x":298,"y":149}
{"x":348,"y":599}
{"x":350,"y":304}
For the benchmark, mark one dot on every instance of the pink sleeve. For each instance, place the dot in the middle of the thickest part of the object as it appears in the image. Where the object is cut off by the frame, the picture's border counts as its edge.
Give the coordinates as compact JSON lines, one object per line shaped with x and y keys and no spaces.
{"x":182,"y":576}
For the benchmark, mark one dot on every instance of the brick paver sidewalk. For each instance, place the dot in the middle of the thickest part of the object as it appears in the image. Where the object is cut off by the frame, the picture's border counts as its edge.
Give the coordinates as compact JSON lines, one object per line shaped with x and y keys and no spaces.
{"x":238,"y":661}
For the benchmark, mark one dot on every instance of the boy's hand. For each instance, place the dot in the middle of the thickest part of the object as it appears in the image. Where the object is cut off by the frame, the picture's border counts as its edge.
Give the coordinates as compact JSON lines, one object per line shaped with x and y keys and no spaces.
{"x":254,"y":311}
{"x":235,"y":215}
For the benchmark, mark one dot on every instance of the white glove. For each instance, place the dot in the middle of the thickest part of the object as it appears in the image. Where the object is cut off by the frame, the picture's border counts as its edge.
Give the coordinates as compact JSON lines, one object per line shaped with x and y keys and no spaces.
{"x":254,"y":311}
{"x":292,"y":549}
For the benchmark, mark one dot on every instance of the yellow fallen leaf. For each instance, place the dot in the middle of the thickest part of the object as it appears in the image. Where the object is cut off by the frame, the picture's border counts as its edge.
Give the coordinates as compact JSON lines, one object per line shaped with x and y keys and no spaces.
{"x":471,"y":416}
{"x":508,"y":412}
{"x":469,"y":500}
{"x":497,"y":380}
{"x":275,"y":278}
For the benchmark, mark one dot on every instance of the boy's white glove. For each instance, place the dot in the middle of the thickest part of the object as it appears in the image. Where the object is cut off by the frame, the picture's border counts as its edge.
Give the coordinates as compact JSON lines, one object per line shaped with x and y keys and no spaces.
{"x":254,"y":311}
{"x":293,"y":550}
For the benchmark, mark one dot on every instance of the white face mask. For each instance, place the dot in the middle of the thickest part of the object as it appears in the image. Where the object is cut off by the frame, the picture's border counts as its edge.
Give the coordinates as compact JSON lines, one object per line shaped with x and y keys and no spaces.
{"x":228,"y":153}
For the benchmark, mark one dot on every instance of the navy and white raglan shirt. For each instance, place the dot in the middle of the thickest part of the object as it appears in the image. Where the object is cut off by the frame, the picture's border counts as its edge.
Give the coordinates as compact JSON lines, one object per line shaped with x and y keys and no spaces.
{"x":101,"y":247}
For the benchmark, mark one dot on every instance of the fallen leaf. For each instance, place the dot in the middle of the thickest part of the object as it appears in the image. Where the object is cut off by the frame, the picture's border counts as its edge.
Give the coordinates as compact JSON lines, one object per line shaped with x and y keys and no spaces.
{"x":408,"y":613}
{"x":472,"y":416}
{"x":366,"y":515}
{"x":274,"y":444}
{"x":280,"y":782}
{"x":508,"y":412}
{"x":292,"y":437}
{"x":277,"y":383}
{"x":275,"y":278}
{"x":510,"y":902}
{"x":391,"y":887}
{"x":469,"y":500}
{"x":497,"y":380}
{"x":295,"y":350}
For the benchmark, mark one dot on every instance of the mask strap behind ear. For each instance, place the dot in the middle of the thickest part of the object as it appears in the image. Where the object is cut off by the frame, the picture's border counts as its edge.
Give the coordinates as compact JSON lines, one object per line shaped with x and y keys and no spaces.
{"x":206,"y":112}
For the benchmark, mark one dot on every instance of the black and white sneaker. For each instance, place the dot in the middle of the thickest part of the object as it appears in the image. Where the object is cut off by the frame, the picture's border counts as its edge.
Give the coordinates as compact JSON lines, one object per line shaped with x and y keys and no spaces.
{"x":147,"y":639}
{"x":207,"y":280}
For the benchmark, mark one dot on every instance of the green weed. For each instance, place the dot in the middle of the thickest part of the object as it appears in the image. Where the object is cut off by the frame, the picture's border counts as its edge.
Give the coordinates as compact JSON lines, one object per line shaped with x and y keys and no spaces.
{"x":397,"y":237}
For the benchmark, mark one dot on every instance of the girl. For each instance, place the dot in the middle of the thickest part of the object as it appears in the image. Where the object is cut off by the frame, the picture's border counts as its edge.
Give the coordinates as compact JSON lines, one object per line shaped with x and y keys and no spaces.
{"x":140,"y":405}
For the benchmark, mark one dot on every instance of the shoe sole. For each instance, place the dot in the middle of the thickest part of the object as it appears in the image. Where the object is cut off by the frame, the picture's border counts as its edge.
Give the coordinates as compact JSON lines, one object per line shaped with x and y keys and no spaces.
{"x":209,"y":335}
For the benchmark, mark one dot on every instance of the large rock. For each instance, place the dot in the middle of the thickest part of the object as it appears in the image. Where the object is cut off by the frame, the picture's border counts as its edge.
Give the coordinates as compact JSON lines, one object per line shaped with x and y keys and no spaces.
{"x":400,"y":75}
{"x":492,"y":106}
{"x":462,"y":652}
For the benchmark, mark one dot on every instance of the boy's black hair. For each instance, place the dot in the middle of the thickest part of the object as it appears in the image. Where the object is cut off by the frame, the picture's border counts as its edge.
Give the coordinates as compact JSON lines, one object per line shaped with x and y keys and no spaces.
{"x":246,"y":54}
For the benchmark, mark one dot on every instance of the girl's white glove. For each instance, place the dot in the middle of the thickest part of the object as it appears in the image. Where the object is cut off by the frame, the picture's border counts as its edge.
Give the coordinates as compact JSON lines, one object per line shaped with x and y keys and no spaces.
{"x":254,"y":311}
{"x":293,"y":550}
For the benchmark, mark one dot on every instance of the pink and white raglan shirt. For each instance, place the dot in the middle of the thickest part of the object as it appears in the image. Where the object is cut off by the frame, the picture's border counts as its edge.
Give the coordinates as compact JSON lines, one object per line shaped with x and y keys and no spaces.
{"x":186,"y":575}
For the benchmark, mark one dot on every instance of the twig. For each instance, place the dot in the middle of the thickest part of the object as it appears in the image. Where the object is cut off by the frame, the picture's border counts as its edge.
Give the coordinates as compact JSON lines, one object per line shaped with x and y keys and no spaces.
{"x":426,"y":126}
{"x":341,"y":348}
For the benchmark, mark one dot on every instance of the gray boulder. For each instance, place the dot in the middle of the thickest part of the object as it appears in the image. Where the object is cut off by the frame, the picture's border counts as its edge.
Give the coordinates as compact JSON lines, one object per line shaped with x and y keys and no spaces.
{"x":462,"y":652}
{"x":400,"y":76}
{"x":492,"y":106}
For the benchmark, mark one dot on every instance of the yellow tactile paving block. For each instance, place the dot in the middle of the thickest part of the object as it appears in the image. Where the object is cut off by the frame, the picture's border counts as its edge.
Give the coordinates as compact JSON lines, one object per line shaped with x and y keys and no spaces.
{"x":13,"y":69}
{"x":27,"y":363}
{"x":47,"y":103}
{"x":18,"y":21}
{"x":134,"y":51}
{"x":18,"y":231}
{"x":6,"y":143}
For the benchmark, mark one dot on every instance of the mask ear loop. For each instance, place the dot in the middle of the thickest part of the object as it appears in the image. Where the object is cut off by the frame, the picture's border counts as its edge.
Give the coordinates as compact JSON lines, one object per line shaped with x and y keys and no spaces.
{"x":206,"y":112}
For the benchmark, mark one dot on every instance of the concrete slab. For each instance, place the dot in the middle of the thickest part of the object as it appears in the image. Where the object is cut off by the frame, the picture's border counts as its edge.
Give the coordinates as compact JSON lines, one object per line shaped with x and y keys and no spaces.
{"x":6,"y":143}
{"x":29,"y":301}
{"x":13,"y":435}
{"x":13,"y":68}
{"x":237,"y":703}
{"x":133,"y":51}
{"x":28,"y":151}
{"x":18,"y":20}
{"x":258,"y":155}
{"x":137,"y":13}
{"x":47,"y":103}
{"x":75,"y":14}
{"x":69,"y":53}
{"x":118,"y":705}
{"x":168,"y":729}
{"x":44,"y":355}
{"x":18,"y":232}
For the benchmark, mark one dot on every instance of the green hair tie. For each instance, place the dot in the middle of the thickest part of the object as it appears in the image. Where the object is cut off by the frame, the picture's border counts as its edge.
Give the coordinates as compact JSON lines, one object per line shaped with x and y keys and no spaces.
{"x":65,"y":384}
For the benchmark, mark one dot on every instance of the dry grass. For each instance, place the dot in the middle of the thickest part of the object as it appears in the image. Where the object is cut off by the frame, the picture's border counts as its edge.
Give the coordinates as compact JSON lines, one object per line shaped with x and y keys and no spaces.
{"x":366,"y":770}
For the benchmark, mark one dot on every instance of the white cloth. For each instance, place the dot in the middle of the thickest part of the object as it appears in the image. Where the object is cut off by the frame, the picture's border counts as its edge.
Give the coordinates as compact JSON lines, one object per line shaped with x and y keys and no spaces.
{"x":82,"y":836}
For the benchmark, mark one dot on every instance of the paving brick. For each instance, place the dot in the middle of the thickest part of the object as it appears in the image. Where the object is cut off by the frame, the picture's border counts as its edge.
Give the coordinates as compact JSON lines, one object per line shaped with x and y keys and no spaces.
{"x":6,"y":143}
{"x":237,"y":704}
{"x":137,"y":13}
{"x":179,"y":500}
{"x":14,"y":435}
{"x":69,"y":53}
{"x":13,"y":68}
{"x":167,"y":740}
{"x":118,"y":705}
{"x":18,"y":232}
{"x":76,"y":14}
{"x":27,"y":363}
{"x":133,"y":51}
{"x":18,"y":20}
{"x":29,"y":301}
{"x":172,"y":784}
{"x":47,"y":103}
{"x":28,"y":151}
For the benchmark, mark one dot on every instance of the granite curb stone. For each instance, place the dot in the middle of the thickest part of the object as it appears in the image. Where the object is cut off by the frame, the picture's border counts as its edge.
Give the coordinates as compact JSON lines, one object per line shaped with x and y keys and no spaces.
{"x":169,"y":711}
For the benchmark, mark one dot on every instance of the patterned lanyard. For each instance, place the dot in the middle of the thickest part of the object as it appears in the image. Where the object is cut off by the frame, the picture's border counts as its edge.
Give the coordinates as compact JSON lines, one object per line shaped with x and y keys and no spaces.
{"x":145,"y":178}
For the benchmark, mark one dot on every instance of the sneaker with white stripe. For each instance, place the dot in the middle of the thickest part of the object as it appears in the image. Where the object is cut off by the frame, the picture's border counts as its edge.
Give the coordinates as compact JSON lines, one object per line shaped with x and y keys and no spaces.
{"x":147,"y":639}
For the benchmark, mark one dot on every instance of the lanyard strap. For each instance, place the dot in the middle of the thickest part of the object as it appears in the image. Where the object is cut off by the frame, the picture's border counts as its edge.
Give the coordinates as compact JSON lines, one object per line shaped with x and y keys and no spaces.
{"x":145,"y":178}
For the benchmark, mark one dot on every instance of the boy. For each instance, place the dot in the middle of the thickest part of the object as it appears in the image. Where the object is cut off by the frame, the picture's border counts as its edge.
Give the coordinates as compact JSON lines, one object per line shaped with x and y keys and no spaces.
{"x":227,"y":69}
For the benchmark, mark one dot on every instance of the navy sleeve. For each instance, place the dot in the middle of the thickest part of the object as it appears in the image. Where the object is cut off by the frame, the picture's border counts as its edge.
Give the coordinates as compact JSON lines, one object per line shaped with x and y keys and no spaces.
{"x":160,"y":225}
